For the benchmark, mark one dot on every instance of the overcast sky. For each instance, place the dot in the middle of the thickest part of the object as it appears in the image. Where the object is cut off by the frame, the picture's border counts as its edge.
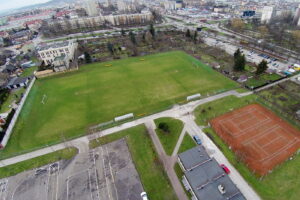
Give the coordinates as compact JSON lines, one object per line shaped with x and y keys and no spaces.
{"x":10,"y":4}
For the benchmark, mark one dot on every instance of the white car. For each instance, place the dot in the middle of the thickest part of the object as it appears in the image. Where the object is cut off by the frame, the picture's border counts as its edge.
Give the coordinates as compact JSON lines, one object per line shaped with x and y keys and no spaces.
{"x":144,"y":196}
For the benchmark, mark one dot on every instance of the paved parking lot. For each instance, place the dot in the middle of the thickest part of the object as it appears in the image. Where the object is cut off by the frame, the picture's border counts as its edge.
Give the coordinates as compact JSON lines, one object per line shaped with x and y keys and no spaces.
{"x":250,"y":56}
{"x":103,"y":173}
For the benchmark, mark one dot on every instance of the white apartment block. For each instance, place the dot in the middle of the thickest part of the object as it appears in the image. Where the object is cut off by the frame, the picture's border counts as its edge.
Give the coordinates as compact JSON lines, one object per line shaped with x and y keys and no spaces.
{"x":297,"y":16}
{"x":91,"y":7}
{"x":57,"y":53}
{"x":116,"y":20}
{"x":267,"y":14}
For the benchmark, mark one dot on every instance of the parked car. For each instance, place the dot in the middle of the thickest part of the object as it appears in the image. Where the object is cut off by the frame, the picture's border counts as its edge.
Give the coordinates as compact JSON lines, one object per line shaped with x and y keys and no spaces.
{"x":197,"y":139}
{"x":226,"y":170}
{"x":144,"y":196}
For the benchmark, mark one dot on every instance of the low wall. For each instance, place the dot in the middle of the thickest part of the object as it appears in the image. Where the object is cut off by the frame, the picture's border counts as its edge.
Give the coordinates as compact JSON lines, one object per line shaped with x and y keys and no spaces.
{"x":55,"y":73}
{"x":16,"y":115}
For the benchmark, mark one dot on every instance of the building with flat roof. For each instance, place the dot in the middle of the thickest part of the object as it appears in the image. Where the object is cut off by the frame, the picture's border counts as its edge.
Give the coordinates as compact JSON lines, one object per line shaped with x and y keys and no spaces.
{"x":17,"y":82}
{"x":192,"y":158}
{"x":204,"y":178}
{"x":267,"y":14}
{"x":61,"y":52}
{"x":92,"y":8}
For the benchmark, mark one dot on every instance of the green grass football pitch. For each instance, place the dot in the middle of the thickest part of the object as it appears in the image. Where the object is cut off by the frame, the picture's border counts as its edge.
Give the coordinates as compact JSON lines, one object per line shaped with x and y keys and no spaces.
{"x":66,"y":105}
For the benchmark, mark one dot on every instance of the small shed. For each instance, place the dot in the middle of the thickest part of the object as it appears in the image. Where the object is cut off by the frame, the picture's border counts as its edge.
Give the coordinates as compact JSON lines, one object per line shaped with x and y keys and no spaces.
{"x":242,"y":78}
{"x":17,"y":82}
{"x":9,"y":68}
{"x":298,"y":114}
{"x":215,"y":65}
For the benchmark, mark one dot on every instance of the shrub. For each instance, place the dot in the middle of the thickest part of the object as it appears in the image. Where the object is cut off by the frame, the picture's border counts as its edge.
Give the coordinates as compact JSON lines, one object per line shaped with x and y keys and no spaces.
{"x":164,"y":127}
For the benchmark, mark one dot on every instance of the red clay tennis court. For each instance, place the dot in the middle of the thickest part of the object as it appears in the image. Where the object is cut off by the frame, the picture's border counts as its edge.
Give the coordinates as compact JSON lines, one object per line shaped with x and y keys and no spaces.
{"x":257,"y":136}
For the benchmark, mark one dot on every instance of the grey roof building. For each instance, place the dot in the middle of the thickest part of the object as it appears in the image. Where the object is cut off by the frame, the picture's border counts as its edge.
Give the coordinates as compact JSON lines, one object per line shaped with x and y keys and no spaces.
{"x":205,"y":178}
{"x":17,"y":82}
{"x":193,"y":157}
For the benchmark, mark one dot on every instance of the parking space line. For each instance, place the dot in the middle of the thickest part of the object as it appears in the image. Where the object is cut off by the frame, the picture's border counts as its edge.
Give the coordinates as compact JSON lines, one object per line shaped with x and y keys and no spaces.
{"x":56,"y":194}
{"x":90,"y":182}
{"x":3,"y":189}
{"x":112,"y":175}
{"x":97,"y":184}
{"x":106,"y":182}
{"x":68,"y":188}
{"x":48,"y":182}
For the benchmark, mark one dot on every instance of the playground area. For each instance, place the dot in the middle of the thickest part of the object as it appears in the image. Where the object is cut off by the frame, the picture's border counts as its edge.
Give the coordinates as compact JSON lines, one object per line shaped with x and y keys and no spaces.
{"x":258,"y":137}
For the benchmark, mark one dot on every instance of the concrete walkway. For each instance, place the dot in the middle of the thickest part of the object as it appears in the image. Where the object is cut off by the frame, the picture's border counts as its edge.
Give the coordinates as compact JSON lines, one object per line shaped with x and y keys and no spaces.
{"x":180,"y":139}
{"x":82,"y":144}
{"x":168,"y":163}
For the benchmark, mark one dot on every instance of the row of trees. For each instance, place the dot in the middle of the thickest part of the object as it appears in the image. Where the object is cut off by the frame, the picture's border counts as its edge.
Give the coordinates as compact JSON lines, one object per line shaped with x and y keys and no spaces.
{"x":114,"y":50}
{"x":193,"y":37}
{"x":240,"y":63}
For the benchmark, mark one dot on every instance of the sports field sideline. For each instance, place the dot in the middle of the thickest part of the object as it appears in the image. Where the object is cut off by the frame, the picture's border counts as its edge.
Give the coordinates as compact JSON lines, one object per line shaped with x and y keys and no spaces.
{"x":66,"y":105}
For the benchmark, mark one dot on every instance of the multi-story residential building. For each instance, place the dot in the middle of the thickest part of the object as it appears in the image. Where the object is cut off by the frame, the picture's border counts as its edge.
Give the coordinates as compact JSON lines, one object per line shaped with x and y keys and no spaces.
{"x":92,"y":8}
{"x":116,"y":20}
{"x":297,"y":16}
{"x":58,"y":54}
{"x":267,"y":14}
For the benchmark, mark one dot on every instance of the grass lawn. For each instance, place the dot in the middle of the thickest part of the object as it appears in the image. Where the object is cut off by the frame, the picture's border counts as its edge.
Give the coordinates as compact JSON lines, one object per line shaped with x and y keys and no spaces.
{"x":187,"y":143}
{"x":271,"y":77}
{"x":11,"y":98}
{"x":14,"y":169}
{"x":169,"y":140}
{"x":145,"y":158}
{"x":241,"y":90}
{"x":28,"y":71}
{"x":254,"y":82}
{"x":262,"y":79}
{"x":282,"y":184}
{"x":97,"y":93}
{"x":221,"y":106}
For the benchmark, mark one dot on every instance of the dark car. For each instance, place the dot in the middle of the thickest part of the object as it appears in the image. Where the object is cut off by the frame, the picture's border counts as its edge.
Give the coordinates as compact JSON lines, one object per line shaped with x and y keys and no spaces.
{"x":197,"y":139}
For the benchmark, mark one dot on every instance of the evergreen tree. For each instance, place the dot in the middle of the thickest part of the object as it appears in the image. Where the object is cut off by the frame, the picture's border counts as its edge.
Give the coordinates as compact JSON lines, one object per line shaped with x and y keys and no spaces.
{"x":110,"y":48}
{"x":87,"y":57}
{"x":132,"y":38}
{"x":152,"y":30}
{"x":195,"y":36}
{"x":239,"y":63}
{"x":144,"y":37}
{"x":237,"y":53}
{"x":123,"y":33}
{"x":188,"y":33}
{"x":262,"y":67}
